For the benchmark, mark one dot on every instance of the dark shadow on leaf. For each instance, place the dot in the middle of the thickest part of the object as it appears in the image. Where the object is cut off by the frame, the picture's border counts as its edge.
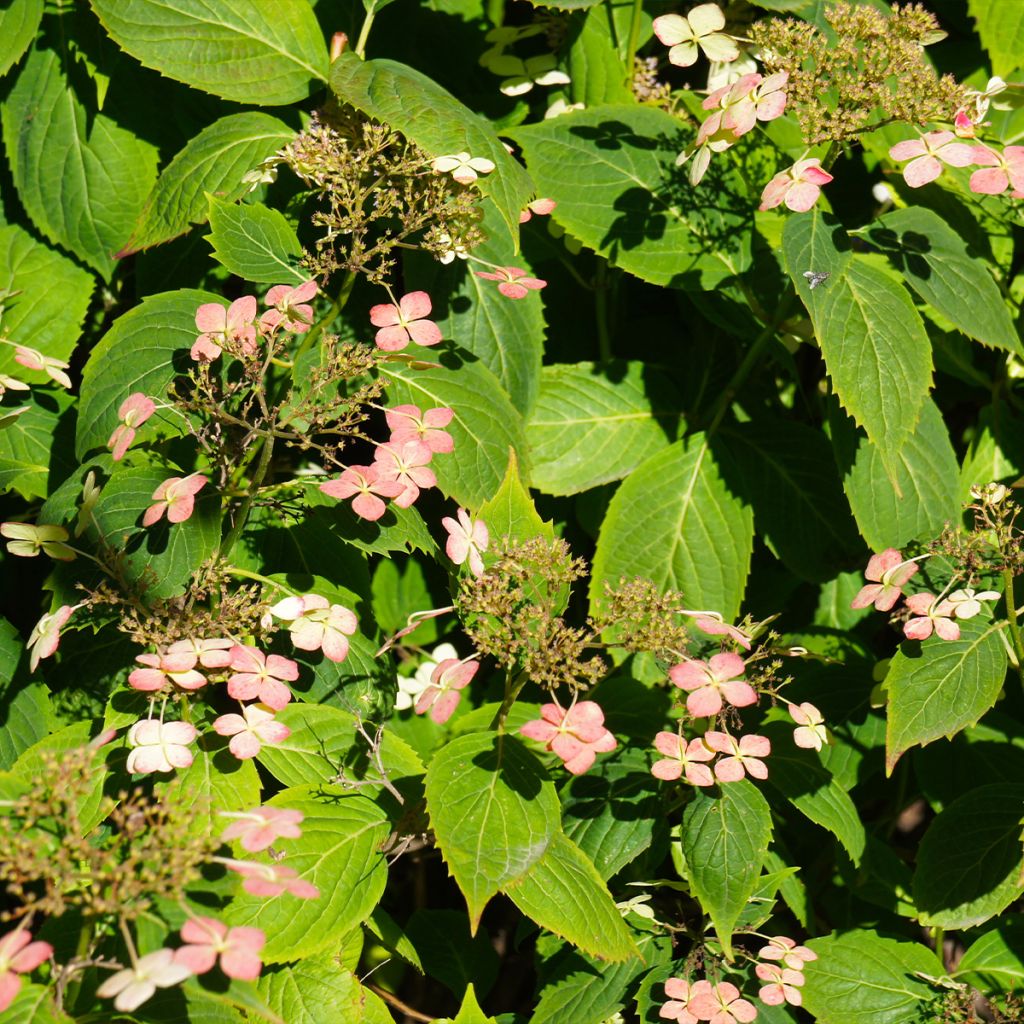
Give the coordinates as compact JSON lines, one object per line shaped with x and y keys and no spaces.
{"x":613,"y":135}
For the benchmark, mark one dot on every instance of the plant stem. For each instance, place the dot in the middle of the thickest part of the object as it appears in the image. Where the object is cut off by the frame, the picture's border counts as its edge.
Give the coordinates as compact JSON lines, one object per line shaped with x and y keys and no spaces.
{"x":328,"y":318}
{"x":246,"y":574}
{"x":364,"y":32}
{"x":246,"y":507}
{"x":512,"y":691}
{"x":1011,"y":618}
{"x":633,"y":39}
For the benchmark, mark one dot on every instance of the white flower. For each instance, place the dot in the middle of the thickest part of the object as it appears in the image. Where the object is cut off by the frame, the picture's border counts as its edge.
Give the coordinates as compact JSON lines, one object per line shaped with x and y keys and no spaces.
{"x":462,"y":167}
{"x":700,"y":28}
{"x":561,"y":106}
{"x":159,"y":747}
{"x":134,"y":985}
{"x":409,"y":690}
{"x":523,"y":75}
{"x":966,"y":602}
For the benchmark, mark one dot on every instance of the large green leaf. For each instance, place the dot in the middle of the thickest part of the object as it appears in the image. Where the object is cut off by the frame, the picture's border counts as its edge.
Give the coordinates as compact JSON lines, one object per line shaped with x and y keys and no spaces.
{"x":594,"y":424}
{"x":214,"y":161}
{"x":612,"y":171}
{"x":317,"y":991}
{"x":435,"y":120}
{"x":255,"y":242}
{"x":143,"y":351}
{"x":862,"y":978}
{"x":35,"y":448}
{"x":969,"y":861}
{"x":995,"y":962}
{"x":19,"y":21}
{"x":494,"y":813}
{"x":26,"y":716}
{"x":918,"y":499}
{"x":724,"y":836}
{"x":321,"y":737}
{"x":1001,"y":27}
{"x":597,"y":72}
{"x":339,"y":852}
{"x":34,"y":1005}
{"x":675,"y":521}
{"x":936,"y":262}
{"x":938,"y":687}
{"x":484,"y":428}
{"x":81,"y":178}
{"x":872,"y":338}
{"x":266,"y":54}
{"x":511,"y":512}
{"x":215,"y":781}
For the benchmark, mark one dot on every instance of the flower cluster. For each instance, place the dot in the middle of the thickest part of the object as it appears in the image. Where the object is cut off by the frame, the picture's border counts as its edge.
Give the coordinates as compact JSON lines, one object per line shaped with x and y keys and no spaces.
{"x":927,"y":154}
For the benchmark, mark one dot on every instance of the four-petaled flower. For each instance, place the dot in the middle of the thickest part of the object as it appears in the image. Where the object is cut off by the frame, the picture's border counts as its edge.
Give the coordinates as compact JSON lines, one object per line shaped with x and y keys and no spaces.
{"x":272,"y":879}
{"x":515,"y":282}
{"x":723,"y":1005}
{"x":212,"y":652}
{"x":999,"y":171}
{"x":682,"y":759}
{"x":889,"y":574}
{"x":782,"y":985}
{"x":207,"y":938}
{"x":785,"y":949}
{"x":810,"y":732}
{"x":134,"y":985}
{"x":316,"y":624}
{"x":522,"y":75}
{"x":409,"y":690}
{"x":928,"y":153}
{"x":576,"y":735}
{"x":702,"y":28}
{"x":742,"y":757}
{"x":290,"y":307}
{"x":255,"y":726}
{"x":798,"y":186}
{"x":261,"y":677}
{"x":33,"y":360}
{"x":681,"y":994}
{"x":967,"y":602}
{"x":707,"y":682}
{"x":177,"y":497}
{"x":177,"y":669}
{"x":467,"y":538}
{"x":404,"y":323}
{"x":930,"y":614}
{"x":134,"y":411}
{"x":407,"y":423}
{"x":540,"y":207}
{"x":27,"y":540}
{"x":462,"y":167}
{"x":442,"y":696}
{"x":255,"y":830}
{"x":18,"y":955}
{"x":406,"y":464}
{"x":160,"y":746}
{"x":45,"y":637}
{"x":219,"y":326}
{"x":369,"y":485}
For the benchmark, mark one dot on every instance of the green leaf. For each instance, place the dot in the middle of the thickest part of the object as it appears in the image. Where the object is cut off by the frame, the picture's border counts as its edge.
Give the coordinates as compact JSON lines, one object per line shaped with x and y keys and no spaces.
{"x":566,"y":5}
{"x":26,"y":717}
{"x":485,"y":426}
{"x":449,"y":953}
{"x":595,"y":424}
{"x":724,"y":838}
{"x":34,"y":1005}
{"x":214,"y":161}
{"x":81,"y":178}
{"x":938,"y":687}
{"x":995,"y":962}
{"x":470,"y":1012}
{"x":862,"y":978}
{"x":872,"y":338}
{"x":54,"y":295}
{"x":936,"y":262}
{"x":511,"y":512}
{"x":316,"y":991}
{"x":969,"y":861}
{"x":339,"y":852}
{"x":920,"y":497}
{"x":321,"y":737}
{"x":562,"y":891}
{"x":1001,"y":27}
{"x":268,"y":55}
{"x":255,"y":242}
{"x":436,"y":121}
{"x":215,"y":781}
{"x":674,"y":521}
{"x":494,"y":813}
{"x":144,"y":350}
{"x":34,"y":448}
{"x":19,"y":21}
{"x":598,"y":74}
{"x":612,"y":171}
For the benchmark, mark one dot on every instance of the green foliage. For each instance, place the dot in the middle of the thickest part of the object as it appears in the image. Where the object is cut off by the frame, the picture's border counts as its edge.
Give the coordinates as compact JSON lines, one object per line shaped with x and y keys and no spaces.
{"x":254,"y":242}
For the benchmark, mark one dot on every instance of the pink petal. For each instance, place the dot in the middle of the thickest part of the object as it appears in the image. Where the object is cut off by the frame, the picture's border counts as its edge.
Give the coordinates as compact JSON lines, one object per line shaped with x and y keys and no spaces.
{"x":705,"y":702}
{"x":738,"y":693}
{"x":802,"y":196}
{"x":415,"y":305}
{"x":384,"y":315}
{"x":667,"y":769}
{"x":921,"y":171}
{"x":392,"y":339}
{"x":425,"y":332}
{"x":907,"y":149}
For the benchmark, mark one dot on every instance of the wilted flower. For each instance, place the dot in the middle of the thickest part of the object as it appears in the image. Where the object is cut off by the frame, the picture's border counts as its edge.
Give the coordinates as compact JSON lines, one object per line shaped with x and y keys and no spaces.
{"x":90,"y":496}
{"x":134,"y":411}
{"x":889,"y":574}
{"x":134,"y":985}
{"x":716,"y":627}
{"x":45,"y":637}
{"x":576,"y":735}
{"x":160,"y":746}
{"x":290,"y":307}
{"x":255,"y":726}
{"x":702,"y":28}
{"x":467,"y":538}
{"x":27,"y":540}
{"x":177,"y":497}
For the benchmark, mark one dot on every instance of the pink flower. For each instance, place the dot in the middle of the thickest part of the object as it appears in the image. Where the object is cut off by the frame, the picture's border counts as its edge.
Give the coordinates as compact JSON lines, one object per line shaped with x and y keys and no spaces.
{"x":33,"y":360}
{"x":290,"y":308}
{"x":177,"y":669}
{"x":442,"y":696}
{"x":207,"y":938}
{"x":781,"y":987}
{"x":963,"y":125}
{"x":271,"y":879}
{"x":723,"y":1006}
{"x":541,"y":207}
{"x":576,"y":735}
{"x":177,"y":497}
{"x":681,"y":993}
{"x":811,"y":733}
{"x":466,"y":539}
{"x":316,"y":624}
{"x":18,"y":955}
{"x":999,"y":172}
{"x":134,"y":411}
{"x":134,"y":985}
{"x":715,"y":627}
{"x":255,"y":726}
{"x":931,"y":614}
{"x":742,"y":104}
{"x":212,"y":652}
{"x":255,"y":830}
{"x":780,"y":947}
{"x":405,"y":322}
{"x":406,"y":464}
{"x":798,"y":187}
{"x":159,"y":746}
{"x":682,"y":759}
{"x":890,"y":573}
{"x":407,"y":423}
{"x":708,"y":682}
{"x":45,"y":637}
{"x":515,"y":283}
{"x":366,"y":482}
{"x":701,"y":27}
{"x":261,"y":677}
{"x":235,"y":325}
{"x":744,"y":756}
{"x":928,"y":153}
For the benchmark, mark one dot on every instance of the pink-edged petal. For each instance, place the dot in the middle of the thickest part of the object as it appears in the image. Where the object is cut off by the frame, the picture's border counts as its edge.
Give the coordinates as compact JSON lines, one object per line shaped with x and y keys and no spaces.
{"x":392,"y":339}
{"x":922,"y":171}
{"x":425,"y":332}
{"x":415,"y":305}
